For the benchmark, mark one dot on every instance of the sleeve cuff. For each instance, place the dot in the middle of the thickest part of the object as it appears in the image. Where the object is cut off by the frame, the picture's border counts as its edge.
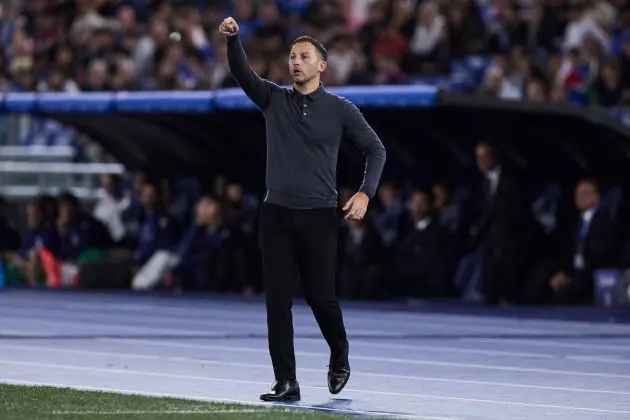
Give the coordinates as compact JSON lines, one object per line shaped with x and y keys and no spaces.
{"x":369,"y":191}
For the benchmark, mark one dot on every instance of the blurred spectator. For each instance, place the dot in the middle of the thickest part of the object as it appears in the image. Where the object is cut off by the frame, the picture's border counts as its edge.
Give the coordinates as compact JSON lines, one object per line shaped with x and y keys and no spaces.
{"x":421,"y":250}
{"x":172,"y":45}
{"x":9,"y":236}
{"x":535,"y":50}
{"x":112,"y":203}
{"x":500,"y":227}
{"x":592,"y":243}
{"x":156,"y":230}
{"x":79,"y":232}
{"x":361,"y":262}
{"x":40,"y":233}
{"x":390,"y":218}
{"x":427,"y":44}
{"x":213,"y":253}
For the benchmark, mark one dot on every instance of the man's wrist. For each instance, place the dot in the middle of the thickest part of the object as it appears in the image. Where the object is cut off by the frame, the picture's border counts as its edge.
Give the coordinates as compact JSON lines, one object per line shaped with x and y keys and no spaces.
{"x":369,"y":192}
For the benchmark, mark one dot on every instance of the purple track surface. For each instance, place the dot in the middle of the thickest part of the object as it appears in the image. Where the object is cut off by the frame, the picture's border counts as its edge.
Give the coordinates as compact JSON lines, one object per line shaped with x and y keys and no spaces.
{"x":441,"y":364}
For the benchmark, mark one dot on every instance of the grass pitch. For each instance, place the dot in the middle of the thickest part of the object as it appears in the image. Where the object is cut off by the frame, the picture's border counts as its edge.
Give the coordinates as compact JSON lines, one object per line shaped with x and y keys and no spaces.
{"x":48,"y":403}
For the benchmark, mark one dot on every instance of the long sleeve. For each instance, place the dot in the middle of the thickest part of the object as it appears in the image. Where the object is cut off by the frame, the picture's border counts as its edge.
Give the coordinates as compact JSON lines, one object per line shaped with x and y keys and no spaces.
{"x":254,"y":86}
{"x":359,"y":131}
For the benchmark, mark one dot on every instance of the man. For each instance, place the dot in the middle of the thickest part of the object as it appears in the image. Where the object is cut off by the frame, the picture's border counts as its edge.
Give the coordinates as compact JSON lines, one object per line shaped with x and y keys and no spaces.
{"x":420,"y":253}
{"x":591,"y":244}
{"x":299,"y":219}
{"x":502,"y":227}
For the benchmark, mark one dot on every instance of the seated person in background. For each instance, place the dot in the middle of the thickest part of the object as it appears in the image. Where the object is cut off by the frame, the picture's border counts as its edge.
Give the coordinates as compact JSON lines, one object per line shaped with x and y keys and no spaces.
{"x":421,"y":250}
{"x":80,"y":234}
{"x":112,"y":203}
{"x":40,"y":233}
{"x":133,"y":216}
{"x":212,"y":252}
{"x":591,"y":245}
{"x":9,"y":245}
{"x":9,"y":237}
{"x":244,"y":212}
{"x":446,"y":210}
{"x":361,"y":257}
{"x":156,"y":231}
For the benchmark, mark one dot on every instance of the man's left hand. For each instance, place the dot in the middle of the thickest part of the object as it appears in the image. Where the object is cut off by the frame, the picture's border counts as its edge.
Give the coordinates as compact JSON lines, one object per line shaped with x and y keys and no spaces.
{"x":356,"y":207}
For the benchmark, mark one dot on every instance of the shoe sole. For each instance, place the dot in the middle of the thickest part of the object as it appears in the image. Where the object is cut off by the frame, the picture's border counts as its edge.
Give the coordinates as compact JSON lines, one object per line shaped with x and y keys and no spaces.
{"x":289,"y":398}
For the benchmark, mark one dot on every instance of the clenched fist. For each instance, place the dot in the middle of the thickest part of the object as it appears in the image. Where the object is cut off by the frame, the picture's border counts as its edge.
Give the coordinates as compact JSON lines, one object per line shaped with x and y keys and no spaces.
{"x":228,"y":27}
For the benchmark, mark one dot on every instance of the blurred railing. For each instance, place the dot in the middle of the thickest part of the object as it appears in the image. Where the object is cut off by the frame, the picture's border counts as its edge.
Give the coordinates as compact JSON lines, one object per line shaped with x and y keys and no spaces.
{"x":41,"y":156}
{"x":22,"y":180}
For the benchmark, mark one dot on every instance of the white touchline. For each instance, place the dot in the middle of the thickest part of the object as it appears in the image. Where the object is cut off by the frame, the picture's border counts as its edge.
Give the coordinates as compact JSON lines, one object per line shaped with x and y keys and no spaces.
{"x":303,"y":369}
{"x":211,"y":379}
{"x":286,"y":407}
{"x":133,"y":412}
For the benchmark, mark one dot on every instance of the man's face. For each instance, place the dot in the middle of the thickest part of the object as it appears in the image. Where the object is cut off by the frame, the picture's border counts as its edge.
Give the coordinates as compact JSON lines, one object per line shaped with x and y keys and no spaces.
{"x":149,"y":196}
{"x":207,"y":211}
{"x":66,"y":212}
{"x":387,"y":194}
{"x":419,"y":205}
{"x":485,"y":158}
{"x":234,"y":192}
{"x":34,"y":214}
{"x":305,"y":64}
{"x":586,"y":196}
{"x":440,"y":196}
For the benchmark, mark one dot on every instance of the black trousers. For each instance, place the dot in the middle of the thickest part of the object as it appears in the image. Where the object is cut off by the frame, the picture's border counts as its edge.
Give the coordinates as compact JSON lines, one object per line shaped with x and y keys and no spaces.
{"x":294,"y":244}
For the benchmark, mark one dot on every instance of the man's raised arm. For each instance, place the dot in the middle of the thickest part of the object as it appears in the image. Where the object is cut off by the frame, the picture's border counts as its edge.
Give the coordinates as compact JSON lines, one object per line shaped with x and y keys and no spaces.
{"x":254,"y":86}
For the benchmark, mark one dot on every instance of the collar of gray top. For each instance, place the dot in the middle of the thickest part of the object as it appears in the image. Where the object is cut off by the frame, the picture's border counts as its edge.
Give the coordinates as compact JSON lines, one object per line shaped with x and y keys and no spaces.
{"x":317,"y":93}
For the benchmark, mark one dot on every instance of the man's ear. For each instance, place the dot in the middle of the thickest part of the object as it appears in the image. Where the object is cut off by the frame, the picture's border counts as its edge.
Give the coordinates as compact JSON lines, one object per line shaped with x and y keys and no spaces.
{"x":322,"y":66}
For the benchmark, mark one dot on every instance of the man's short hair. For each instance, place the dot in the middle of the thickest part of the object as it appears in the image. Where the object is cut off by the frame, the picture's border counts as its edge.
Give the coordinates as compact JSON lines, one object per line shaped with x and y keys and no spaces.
{"x":321,"y":50}
{"x":590,"y":181}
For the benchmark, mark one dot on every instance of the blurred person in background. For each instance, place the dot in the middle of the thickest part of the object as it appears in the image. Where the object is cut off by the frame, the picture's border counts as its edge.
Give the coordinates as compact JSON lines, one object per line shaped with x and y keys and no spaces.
{"x":25,"y":265}
{"x":80,"y":234}
{"x":9,"y":246}
{"x":213,"y":252}
{"x":361,"y":258}
{"x":156,"y":229}
{"x":421,"y":250}
{"x":113,"y":201}
{"x":592,"y":242}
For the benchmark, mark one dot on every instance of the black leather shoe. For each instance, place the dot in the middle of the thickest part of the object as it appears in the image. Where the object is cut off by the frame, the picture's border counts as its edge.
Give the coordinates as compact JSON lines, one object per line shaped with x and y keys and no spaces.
{"x":283,"y":390}
{"x":337,"y":379}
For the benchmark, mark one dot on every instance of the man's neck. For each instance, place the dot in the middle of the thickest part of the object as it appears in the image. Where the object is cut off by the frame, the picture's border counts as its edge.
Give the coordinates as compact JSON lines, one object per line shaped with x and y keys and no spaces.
{"x":307,"y":88}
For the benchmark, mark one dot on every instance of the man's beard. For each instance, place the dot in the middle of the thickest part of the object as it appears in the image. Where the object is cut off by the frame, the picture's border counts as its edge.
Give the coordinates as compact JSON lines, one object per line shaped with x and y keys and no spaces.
{"x":302,"y":82}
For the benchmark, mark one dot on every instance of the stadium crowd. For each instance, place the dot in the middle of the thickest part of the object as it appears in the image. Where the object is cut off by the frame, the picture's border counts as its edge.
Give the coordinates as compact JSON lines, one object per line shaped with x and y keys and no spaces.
{"x":488,"y":241}
{"x":491,"y":241}
{"x":553,"y":50}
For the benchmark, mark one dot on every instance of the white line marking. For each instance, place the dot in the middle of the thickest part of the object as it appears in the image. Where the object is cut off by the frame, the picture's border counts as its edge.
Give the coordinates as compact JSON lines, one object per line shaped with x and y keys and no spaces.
{"x":162,"y":412}
{"x":368,"y":358}
{"x":549,"y":343}
{"x":221,"y":400}
{"x":266,"y":367}
{"x":598,"y":359}
{"x":204,"y":378}
{"x":460,"y":350}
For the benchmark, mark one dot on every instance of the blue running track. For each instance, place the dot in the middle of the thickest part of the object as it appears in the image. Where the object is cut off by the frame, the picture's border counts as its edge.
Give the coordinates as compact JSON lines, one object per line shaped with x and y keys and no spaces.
{"x":442,"y":364}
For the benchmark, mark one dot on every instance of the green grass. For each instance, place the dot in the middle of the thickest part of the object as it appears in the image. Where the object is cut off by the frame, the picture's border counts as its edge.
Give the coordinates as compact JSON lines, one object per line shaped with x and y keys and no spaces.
{"x":48,"y":403}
